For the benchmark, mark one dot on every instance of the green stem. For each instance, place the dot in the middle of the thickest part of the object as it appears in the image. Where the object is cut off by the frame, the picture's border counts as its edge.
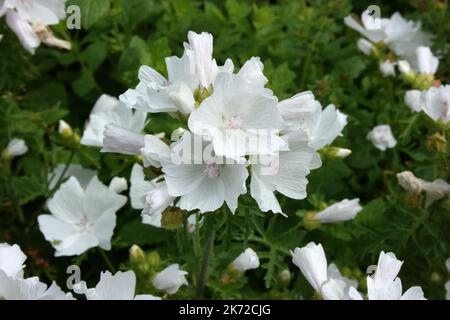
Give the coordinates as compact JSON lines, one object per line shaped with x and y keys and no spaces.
{"x":203,"y":274}
{"x":107,"y":260}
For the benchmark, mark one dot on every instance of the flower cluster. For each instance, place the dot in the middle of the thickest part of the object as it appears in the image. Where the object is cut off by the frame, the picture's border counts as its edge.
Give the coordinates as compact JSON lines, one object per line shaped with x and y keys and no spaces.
{"x":233,"y":124}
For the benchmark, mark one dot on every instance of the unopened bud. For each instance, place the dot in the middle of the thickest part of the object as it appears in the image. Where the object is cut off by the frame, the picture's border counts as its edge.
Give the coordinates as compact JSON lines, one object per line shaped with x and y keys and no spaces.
{"x":284,"y":278}
{"x":309,"y":222}
{"x":436,"y":143}
{"x":137,"y":255}
{"x":153,"y":259}
{"x":335,"y":152}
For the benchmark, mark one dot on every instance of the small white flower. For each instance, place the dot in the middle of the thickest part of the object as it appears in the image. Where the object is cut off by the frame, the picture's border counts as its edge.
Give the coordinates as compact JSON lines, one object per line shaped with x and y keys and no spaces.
{"x":196,"y":69}
{"x":150,"y":196}
{"x":83,"y":175}
{"x":247,"y":260}
{"x":170,"y":279}
{"x":204,"y":185}
{"x":324,"y":126}
{"x":327,"y":281}
{"x":16,"y":147}
{"x":382,"y":138}
{"x":434,"y":190}
{"x":239,"y":117}
{"x":427,"y":62}
{"x":118,"y":184}
{"x":365,"y":46}
{"x":120,"y":286}
{"x":385,"y":285}
{"x":387,"y":68}
{"x":401,"y":35}
{"x":81,"y":218}
{"x":109,"y":110}
{"x":413,"y":99}
{"x":436,"y":102}
{"x":341,"y":211}
{"x":11,"y":260}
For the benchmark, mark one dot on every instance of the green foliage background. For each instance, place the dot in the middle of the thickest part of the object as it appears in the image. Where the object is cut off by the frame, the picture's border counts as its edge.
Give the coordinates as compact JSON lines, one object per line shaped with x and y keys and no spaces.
{"x":304,"y":46}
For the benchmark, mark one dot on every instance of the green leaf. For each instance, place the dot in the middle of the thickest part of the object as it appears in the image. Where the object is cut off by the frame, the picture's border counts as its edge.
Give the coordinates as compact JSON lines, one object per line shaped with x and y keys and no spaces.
{"x":28,"y":188}
{"x":135,"y":232}
{"x":94,"y":55}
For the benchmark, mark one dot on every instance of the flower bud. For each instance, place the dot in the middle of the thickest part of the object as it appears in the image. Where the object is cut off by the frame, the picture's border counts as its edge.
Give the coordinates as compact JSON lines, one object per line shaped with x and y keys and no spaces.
{"x":153,"y":259}
{"x":118,"y":184}
{"x":172,"y":219}
{"x":309,"y":222}
{"x":436,"y":143}
{"x":16,"y":147}
{"x":137,"y":255}
{"x":247,"y":260}
{"x":65,"y":129}
{"x":284,"y":278}
{"x":335,"y":152}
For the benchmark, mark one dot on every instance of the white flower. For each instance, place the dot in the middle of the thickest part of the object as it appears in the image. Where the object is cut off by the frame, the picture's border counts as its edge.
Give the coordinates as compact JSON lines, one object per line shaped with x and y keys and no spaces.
{"x":83,"y":175}
{"x":341,"y":211}
{"x":29,"y":21}
{"x":413,"y":99}
{"x":118,"y":184}
{"x":239,"y":117}
{"x":109,"y":110}
{"x":385,"y":285}
{"x":247,"y":260}
{"x":382,"y":138}
{"x":81,"y":218}
{"x":324,"y":126}
{"x":327,"y":281}
{"x":196,"y":69}
{"x":434,"y":190}
{"x":11,"y":260}
{"x":120,"y":286}
{"x":151,"y":196}
{"x":296,"y":109}
{"x":387,"y":68}
{"x":170,"y":279}
{"x":285,"y":173}
{"x":16,"y":147}
{"x":401,"y":35}
{"x":365,"y":46}
{"x":29,"y":289}
{"x":366,"y":29}
{"x":427,"y":62}
{"x":124,"y":141}
{"x":436,"y":102}
{"x":203,"y":185}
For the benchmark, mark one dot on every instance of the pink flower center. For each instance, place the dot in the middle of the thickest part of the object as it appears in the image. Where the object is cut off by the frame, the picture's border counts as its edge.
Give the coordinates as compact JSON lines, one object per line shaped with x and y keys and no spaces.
{"x":234,"y":123}
{"x":212,"y":170}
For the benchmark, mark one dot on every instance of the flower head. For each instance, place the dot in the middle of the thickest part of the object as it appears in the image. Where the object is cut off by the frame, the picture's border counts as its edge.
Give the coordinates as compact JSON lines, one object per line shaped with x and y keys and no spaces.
{"x":81,"y":218}
{"x":341,"y":211}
